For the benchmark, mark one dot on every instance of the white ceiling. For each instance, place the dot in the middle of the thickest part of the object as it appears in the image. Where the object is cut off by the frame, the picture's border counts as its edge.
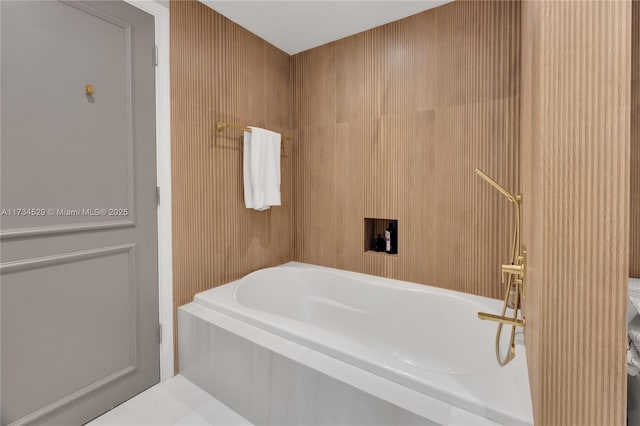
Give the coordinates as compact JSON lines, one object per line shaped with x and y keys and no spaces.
{"x":298,"y":25}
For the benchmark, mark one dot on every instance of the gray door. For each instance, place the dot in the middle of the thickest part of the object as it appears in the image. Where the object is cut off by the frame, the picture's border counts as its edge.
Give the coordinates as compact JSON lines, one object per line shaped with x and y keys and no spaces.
{"x":78,"y":238}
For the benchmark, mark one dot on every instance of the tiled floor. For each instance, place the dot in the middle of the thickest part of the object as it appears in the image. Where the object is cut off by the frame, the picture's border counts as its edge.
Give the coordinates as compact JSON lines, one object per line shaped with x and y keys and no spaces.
{"x":176,"y":401}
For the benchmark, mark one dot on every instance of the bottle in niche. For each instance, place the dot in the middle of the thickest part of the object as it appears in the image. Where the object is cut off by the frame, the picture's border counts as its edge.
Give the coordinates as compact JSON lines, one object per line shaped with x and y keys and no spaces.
{"x":391,"y":239}
{"x":379,"y":243}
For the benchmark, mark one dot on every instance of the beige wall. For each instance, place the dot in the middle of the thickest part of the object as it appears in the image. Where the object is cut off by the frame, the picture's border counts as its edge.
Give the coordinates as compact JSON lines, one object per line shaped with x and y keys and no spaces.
{"x":634,"y":265}
{"x":220,"y":71}
{"x":575,"y":179}
{"x":391,"y":123}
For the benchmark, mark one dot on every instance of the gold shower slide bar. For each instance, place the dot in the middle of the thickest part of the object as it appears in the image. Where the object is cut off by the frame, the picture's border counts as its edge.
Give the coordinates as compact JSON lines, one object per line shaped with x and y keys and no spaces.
{"x":501,"y":319}
{"x":221,"y":125}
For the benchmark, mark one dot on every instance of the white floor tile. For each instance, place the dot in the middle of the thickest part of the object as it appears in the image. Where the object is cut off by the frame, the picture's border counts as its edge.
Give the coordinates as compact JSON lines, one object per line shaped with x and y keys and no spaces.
{"x":177,"y":402}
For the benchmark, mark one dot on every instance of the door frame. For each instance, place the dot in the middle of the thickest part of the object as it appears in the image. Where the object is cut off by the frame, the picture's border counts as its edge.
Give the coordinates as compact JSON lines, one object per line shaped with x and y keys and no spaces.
{"x":160,"y":13}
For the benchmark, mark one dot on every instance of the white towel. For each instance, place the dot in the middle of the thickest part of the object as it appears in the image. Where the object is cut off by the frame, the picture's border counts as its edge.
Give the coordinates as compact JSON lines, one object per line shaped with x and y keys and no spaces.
{"x":261,"y":169}
{"x":633,"y":330}
{"x":633,"y":360}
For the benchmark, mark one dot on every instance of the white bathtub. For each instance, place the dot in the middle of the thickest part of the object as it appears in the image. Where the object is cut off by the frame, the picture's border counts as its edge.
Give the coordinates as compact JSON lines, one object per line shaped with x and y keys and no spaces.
{"x":425,"y":338}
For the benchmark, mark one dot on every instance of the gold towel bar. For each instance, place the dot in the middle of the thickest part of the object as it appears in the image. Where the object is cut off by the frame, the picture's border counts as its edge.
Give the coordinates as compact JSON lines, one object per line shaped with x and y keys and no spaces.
{"x":220,"y":126}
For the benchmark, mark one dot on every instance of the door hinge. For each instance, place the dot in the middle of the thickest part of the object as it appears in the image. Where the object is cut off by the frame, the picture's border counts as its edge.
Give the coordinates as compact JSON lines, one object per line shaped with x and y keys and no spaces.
{"x":159,"y":333}
{"x":155,"y":56}
{"x":157,"y":195}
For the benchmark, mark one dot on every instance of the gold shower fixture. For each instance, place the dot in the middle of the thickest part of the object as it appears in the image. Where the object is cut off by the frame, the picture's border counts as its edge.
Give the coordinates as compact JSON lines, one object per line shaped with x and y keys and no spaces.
{"x":515,"y":279}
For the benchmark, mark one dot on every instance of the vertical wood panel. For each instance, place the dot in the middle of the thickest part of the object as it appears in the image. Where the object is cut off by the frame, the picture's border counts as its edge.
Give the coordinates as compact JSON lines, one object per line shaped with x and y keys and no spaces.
{"x":575,"y":156}
{"x":634,"y":241}
{"x":408,"y":111}
{"x":220,"y":71}
{"x":391,"y":123}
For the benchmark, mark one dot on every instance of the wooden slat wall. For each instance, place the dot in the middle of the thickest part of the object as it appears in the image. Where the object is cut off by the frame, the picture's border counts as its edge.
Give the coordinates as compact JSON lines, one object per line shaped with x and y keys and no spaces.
{"x":391,"y":123}
{"x":634,"y":265}
{"x":575,"y":177}
{"x":219,"y":71}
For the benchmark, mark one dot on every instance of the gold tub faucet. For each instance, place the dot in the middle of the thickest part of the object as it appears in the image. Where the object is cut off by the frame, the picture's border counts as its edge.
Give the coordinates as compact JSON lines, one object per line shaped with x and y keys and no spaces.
{"x":517,"y":270}
{"x":515,"y":278}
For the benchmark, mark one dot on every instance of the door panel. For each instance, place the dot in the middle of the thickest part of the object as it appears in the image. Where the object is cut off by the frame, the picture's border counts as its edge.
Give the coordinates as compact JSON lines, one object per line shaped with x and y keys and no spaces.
{"x":104,"y":281}
{"x":79,"y":295}
{"x":48,"y":70}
